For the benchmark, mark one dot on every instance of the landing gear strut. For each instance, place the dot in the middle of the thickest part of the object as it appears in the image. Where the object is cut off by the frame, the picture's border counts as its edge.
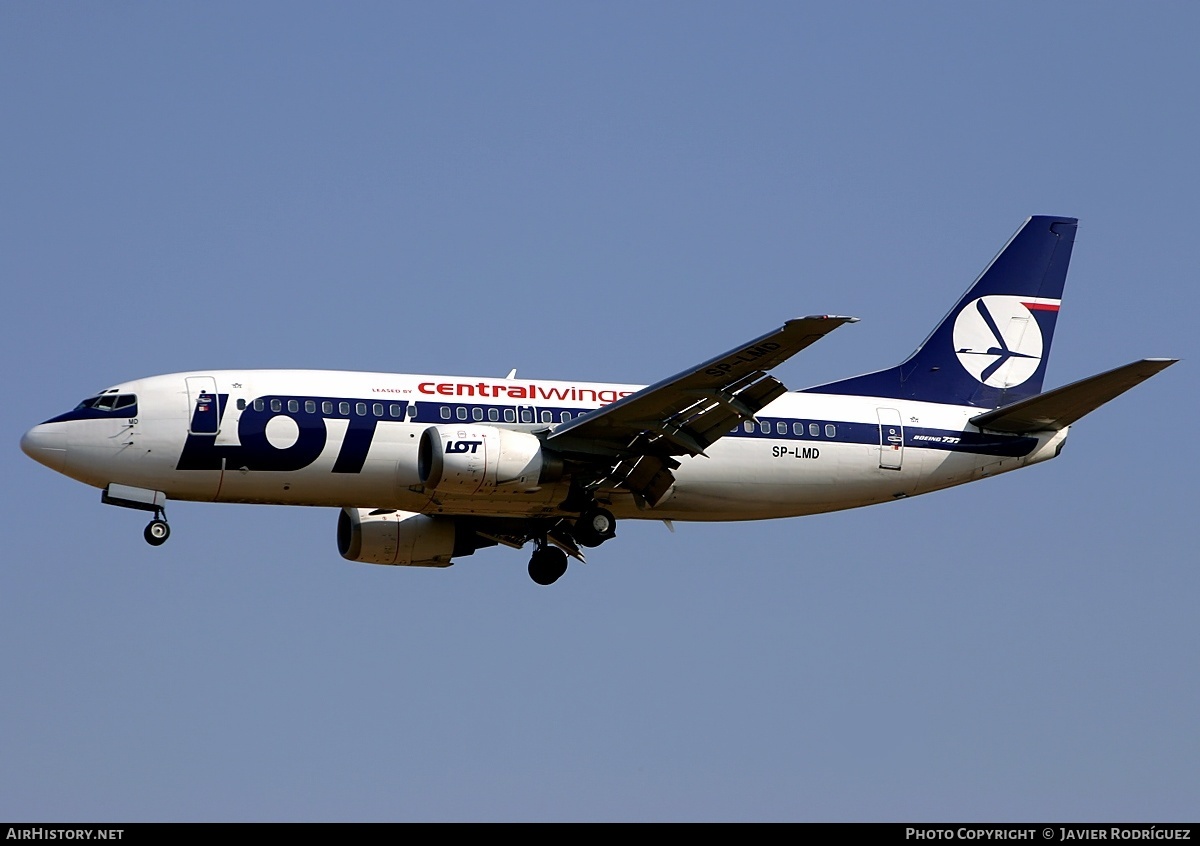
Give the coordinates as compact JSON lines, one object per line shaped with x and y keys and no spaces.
{"x":547,"y":564}
{"x":141,"y":499}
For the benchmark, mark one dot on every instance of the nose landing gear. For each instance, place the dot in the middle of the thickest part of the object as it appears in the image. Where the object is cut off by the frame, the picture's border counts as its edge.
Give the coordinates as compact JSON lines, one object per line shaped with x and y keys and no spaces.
{"x":142,"y":499}
{"x":157,"y":531}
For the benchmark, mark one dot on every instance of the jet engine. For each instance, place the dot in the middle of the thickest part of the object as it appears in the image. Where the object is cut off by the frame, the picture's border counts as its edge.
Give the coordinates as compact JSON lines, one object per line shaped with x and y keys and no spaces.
{"x":468,"y":460}
{"x":404,"y":538}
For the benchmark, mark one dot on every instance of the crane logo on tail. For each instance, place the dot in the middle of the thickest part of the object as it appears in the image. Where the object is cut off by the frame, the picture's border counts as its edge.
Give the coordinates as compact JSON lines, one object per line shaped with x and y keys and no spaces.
{"x":997,"y":338}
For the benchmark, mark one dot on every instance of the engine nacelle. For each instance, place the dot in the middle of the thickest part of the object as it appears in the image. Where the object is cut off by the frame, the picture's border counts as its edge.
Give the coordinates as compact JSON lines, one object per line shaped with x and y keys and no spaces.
{"x":403,"y":538}
{"x":471,"y":459}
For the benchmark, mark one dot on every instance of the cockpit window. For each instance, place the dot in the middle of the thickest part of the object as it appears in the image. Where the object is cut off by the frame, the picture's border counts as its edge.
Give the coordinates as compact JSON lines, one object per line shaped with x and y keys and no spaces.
{"x":108,"y":402}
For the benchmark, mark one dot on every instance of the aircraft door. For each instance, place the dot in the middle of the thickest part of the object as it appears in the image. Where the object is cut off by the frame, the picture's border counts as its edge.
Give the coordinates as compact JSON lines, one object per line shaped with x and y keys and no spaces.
{"x":891,"y":439}
{"x":205,"y":405}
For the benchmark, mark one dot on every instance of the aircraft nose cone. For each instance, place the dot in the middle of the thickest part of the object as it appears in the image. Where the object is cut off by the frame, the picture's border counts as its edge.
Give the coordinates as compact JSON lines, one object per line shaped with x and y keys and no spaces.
{"x":46,"y":445}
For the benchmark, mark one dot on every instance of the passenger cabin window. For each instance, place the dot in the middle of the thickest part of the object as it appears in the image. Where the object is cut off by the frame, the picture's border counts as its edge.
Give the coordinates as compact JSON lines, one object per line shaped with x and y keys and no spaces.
{"x":781,"y":428}
{"x":493,"y":415}
{"x":258,"y":405}
{"x":526,"y":415}
{"x":412,"y":411}
{"x":344,"y":408}
{"x":394,"y":410}
{"x":241,"y":404}
{"x":814,"y":429}
{"x":798,"y":429}
{"x":360,"y":408}
{"x":377,"y":409}
{"x":748,"y":426}
{"x":510,"y":416}
{"x":327,"y":407}
{"x":310,"y":406}
{"x":276,"y":405}
{"x":476,"y":414}
{"x":461,"y":412}
{"x":547,"y":417}
{"x":293,"y":406}
{"x":764,"y":427}
{"x":830,"y":430}
{"x":445,"y":412}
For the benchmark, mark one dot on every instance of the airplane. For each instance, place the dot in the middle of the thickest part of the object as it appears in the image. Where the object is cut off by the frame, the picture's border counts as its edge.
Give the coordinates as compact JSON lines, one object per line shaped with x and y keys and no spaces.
{"x":427,"y":469}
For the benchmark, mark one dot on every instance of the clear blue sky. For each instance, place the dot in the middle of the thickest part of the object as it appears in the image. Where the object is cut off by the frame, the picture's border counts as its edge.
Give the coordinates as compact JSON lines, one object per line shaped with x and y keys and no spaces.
{"x":608,"y":191}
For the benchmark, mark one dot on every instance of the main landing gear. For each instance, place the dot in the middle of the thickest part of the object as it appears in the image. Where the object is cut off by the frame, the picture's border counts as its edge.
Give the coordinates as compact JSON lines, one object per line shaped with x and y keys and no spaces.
{"x":549,"y":561}
{"x":547,"y":564}
{"x":594,"y":527}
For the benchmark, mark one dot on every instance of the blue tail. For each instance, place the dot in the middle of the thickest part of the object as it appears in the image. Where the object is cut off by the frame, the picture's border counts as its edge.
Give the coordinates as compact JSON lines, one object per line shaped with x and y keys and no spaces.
{"x":993,"y":346}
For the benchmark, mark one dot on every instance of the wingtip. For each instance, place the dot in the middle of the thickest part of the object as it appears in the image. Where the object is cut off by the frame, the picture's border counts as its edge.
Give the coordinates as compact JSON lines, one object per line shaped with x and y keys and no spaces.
{"x":843,"y":318}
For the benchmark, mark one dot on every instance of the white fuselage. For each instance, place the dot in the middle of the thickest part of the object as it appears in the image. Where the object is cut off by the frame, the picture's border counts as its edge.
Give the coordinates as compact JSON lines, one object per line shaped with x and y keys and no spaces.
{"x":348,"y":439}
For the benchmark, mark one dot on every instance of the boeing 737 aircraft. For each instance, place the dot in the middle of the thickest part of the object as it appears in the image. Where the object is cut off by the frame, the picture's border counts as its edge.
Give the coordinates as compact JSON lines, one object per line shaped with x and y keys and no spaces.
{"x":426,"y":469}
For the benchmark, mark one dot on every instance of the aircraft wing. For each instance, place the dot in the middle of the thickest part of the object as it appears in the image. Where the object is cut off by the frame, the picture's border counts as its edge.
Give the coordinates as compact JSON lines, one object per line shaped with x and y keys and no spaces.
{"x":637,"y":435}
{"x":1061,"y":407}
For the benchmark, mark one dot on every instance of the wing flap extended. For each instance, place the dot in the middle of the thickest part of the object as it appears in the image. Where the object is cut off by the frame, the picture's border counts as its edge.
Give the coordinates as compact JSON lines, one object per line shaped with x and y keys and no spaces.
{"x":647,"y":477}
{"x":689,"y":411}
{"x":635,"y":437}
{"x":1063,"y":406}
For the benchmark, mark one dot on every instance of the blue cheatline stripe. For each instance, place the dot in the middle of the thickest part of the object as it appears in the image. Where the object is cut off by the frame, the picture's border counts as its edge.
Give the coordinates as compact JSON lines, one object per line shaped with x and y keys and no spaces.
{"x":852,"y":432}
{"x":430,"y":413}
{"x":847,"y":432}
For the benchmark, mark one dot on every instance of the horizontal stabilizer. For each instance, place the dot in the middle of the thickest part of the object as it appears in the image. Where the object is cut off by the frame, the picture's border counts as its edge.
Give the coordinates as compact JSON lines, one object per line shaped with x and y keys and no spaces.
{"x":1061,"y":407}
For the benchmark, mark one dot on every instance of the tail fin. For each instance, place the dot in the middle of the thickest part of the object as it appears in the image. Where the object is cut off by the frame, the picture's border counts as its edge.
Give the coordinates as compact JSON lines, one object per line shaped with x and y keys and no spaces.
{"x":993,"y":346}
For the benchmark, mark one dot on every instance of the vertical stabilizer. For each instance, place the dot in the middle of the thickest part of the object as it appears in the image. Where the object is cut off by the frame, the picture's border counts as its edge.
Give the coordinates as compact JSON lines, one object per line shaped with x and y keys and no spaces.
{"x":993,"y":346}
